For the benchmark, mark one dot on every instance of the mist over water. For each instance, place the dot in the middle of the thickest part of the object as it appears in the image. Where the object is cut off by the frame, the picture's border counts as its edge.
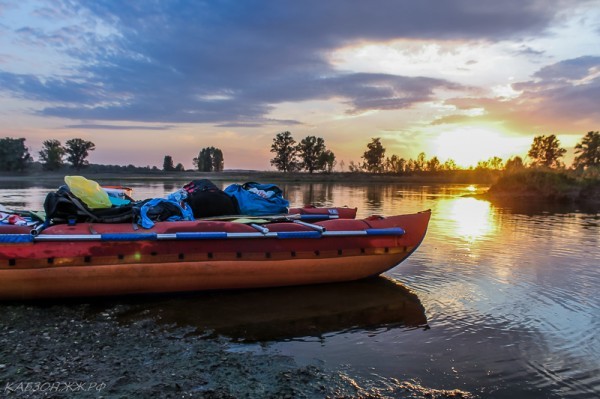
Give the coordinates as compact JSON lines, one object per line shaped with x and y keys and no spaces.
{"x":500,"y":301}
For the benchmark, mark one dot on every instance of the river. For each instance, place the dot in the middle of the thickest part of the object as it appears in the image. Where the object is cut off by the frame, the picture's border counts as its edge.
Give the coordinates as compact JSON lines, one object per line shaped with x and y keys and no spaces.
{"x":499,"y":301}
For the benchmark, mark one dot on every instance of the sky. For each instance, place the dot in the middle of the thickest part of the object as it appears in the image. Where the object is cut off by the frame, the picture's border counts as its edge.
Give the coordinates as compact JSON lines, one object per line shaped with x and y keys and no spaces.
{"x":457,"y":79}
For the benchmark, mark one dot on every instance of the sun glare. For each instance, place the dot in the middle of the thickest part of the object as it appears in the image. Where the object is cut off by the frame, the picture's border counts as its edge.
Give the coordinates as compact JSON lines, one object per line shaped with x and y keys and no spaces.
{"x":467,"y":146}
{"x":473,"y":218}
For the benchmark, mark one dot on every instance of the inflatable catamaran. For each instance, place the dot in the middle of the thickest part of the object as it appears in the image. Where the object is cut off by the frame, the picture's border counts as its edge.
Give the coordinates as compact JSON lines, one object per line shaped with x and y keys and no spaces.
{"x":304,"y":246}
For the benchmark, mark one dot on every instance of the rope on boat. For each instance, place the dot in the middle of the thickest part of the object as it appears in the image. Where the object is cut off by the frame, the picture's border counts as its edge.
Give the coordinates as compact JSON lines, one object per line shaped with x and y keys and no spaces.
{"x":199,"y":235}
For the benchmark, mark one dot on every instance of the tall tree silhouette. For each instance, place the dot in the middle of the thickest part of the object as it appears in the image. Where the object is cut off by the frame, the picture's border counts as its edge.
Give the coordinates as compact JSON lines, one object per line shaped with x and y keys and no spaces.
{"x":14,"y":156}
{"x":168,"y":164}
{"x":210,"y":159}
{"x":374,"y":156}
{"x":546,"y":151}
{"x":310,"y":150}
{"x":588,"y":150}
{"x":284,"y":147}
{"x":77,"y":151}
{"x":52,"y":154}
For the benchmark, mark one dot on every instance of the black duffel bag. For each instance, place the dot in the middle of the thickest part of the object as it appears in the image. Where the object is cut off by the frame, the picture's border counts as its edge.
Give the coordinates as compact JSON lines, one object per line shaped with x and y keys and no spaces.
{"x":208,"y":200}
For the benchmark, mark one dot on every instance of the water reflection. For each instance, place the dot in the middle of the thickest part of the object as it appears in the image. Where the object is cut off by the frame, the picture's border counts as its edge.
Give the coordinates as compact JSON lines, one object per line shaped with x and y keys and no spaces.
{"x":284,"y":313}
{"x":471,"y":218}
{"x":318,"y":194}
{"x":374,"y":195}
{"x":532,"y":207}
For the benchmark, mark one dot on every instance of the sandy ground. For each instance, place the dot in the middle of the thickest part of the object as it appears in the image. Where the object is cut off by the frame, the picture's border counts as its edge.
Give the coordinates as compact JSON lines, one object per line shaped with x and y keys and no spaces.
{"x":80,"y":351}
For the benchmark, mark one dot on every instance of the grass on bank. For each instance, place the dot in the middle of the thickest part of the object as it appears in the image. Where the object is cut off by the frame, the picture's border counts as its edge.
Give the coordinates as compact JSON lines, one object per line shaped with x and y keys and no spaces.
{"x":548,"y":184}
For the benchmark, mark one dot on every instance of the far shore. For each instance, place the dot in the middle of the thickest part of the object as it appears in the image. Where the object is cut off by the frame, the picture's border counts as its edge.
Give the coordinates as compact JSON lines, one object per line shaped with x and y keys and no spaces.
{"x":121,"y":177}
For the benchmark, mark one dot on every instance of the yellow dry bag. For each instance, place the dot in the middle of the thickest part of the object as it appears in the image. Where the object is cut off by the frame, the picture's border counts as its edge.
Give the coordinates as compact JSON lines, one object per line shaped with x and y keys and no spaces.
{"x":88,"y":191}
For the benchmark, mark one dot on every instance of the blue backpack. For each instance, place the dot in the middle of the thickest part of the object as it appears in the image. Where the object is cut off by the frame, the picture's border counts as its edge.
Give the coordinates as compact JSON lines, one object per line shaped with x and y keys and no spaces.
{"x":257,"y":199}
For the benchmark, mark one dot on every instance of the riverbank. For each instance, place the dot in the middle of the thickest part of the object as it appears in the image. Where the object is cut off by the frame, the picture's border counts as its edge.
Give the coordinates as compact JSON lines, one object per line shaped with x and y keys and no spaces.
{"x":544,"y":185}
{"x":85,"y":351}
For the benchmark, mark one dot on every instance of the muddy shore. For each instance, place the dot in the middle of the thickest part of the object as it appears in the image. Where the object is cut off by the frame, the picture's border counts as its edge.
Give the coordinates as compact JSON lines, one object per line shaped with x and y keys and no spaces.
{"x":83,"y":350}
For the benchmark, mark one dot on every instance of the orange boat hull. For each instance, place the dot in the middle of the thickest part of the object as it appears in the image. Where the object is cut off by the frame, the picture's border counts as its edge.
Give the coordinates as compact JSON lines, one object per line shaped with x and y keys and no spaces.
{"x":79,"y":269}
{"x":77,"y":281}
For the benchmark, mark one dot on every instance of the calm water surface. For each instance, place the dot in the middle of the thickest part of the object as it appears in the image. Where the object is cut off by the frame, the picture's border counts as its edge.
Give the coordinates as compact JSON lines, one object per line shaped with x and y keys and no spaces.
{"x":500,"y":301}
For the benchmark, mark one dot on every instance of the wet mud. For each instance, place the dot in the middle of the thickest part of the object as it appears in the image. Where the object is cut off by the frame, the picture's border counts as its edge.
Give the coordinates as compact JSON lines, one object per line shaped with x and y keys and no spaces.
{"x":179,"y":347}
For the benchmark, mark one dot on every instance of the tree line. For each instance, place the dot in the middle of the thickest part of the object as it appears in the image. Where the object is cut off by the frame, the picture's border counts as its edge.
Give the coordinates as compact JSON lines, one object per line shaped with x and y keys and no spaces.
{"x":311,"y":154}
{"x":210,"y":159}
{"x":545,"y":151}
{"x":15,"y":157}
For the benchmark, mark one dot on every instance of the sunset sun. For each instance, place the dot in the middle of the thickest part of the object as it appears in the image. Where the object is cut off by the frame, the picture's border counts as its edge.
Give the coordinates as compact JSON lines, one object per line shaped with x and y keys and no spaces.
{"x":469,"y":145}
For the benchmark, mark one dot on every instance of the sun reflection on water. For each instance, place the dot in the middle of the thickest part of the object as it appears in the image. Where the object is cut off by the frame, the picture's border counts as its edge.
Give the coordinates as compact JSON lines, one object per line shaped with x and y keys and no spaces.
{"x":470,"y":218}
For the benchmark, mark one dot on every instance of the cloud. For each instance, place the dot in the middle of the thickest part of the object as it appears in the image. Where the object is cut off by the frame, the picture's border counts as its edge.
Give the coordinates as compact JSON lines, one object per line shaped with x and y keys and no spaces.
{"x":567,"y":70}
{"x":562,"y":98}
{"x":58,"y":90}
{"x":92,"y":126}
{"x":171,"y":62}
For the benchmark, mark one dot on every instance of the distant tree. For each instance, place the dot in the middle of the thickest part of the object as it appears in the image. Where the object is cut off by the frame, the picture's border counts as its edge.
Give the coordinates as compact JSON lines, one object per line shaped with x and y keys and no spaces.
{"x":77,"y":151}
{"x":514,"y":164}
{"x":420,"y":162}
{"x":327,"y":161}
{"x":179,"y":168}
{"x":496,"y":163}
{"x":342,"y":165}
{"x":284,"y":147}
{"x":483,"y":165}
{"x":353,"y":167}
{"x":52,"y":154}
{"x":401,"y":166}
{"x":210,"y":159}
{"x":588,"y":151}
{"x":395,"y":164}
{"x":434,"y":164}
{"x":309,"y":151}
{"x":14,"y":156}
{"x":204,"y":161}
{"x":389,"y":165}
{"x":168,"y":165}
{"x":218,"y":162}
{"x":546,"y":151}
{"x":450,"y":165}
{"x":374,"y":156}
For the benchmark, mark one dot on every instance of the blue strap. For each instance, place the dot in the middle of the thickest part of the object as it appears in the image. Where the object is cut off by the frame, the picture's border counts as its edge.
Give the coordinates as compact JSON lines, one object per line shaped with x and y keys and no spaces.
{"x":127,"y":236}
{"x":391,"y":231}
{"x":202,"y":235}
{"x":15,"y":238}
{"x":298,"y":234}
{"x":314,"y":217}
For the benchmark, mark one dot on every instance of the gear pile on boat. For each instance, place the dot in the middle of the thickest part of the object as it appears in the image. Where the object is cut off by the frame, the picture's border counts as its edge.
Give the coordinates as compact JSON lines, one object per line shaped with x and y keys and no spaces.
{"x":96,"y":241}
